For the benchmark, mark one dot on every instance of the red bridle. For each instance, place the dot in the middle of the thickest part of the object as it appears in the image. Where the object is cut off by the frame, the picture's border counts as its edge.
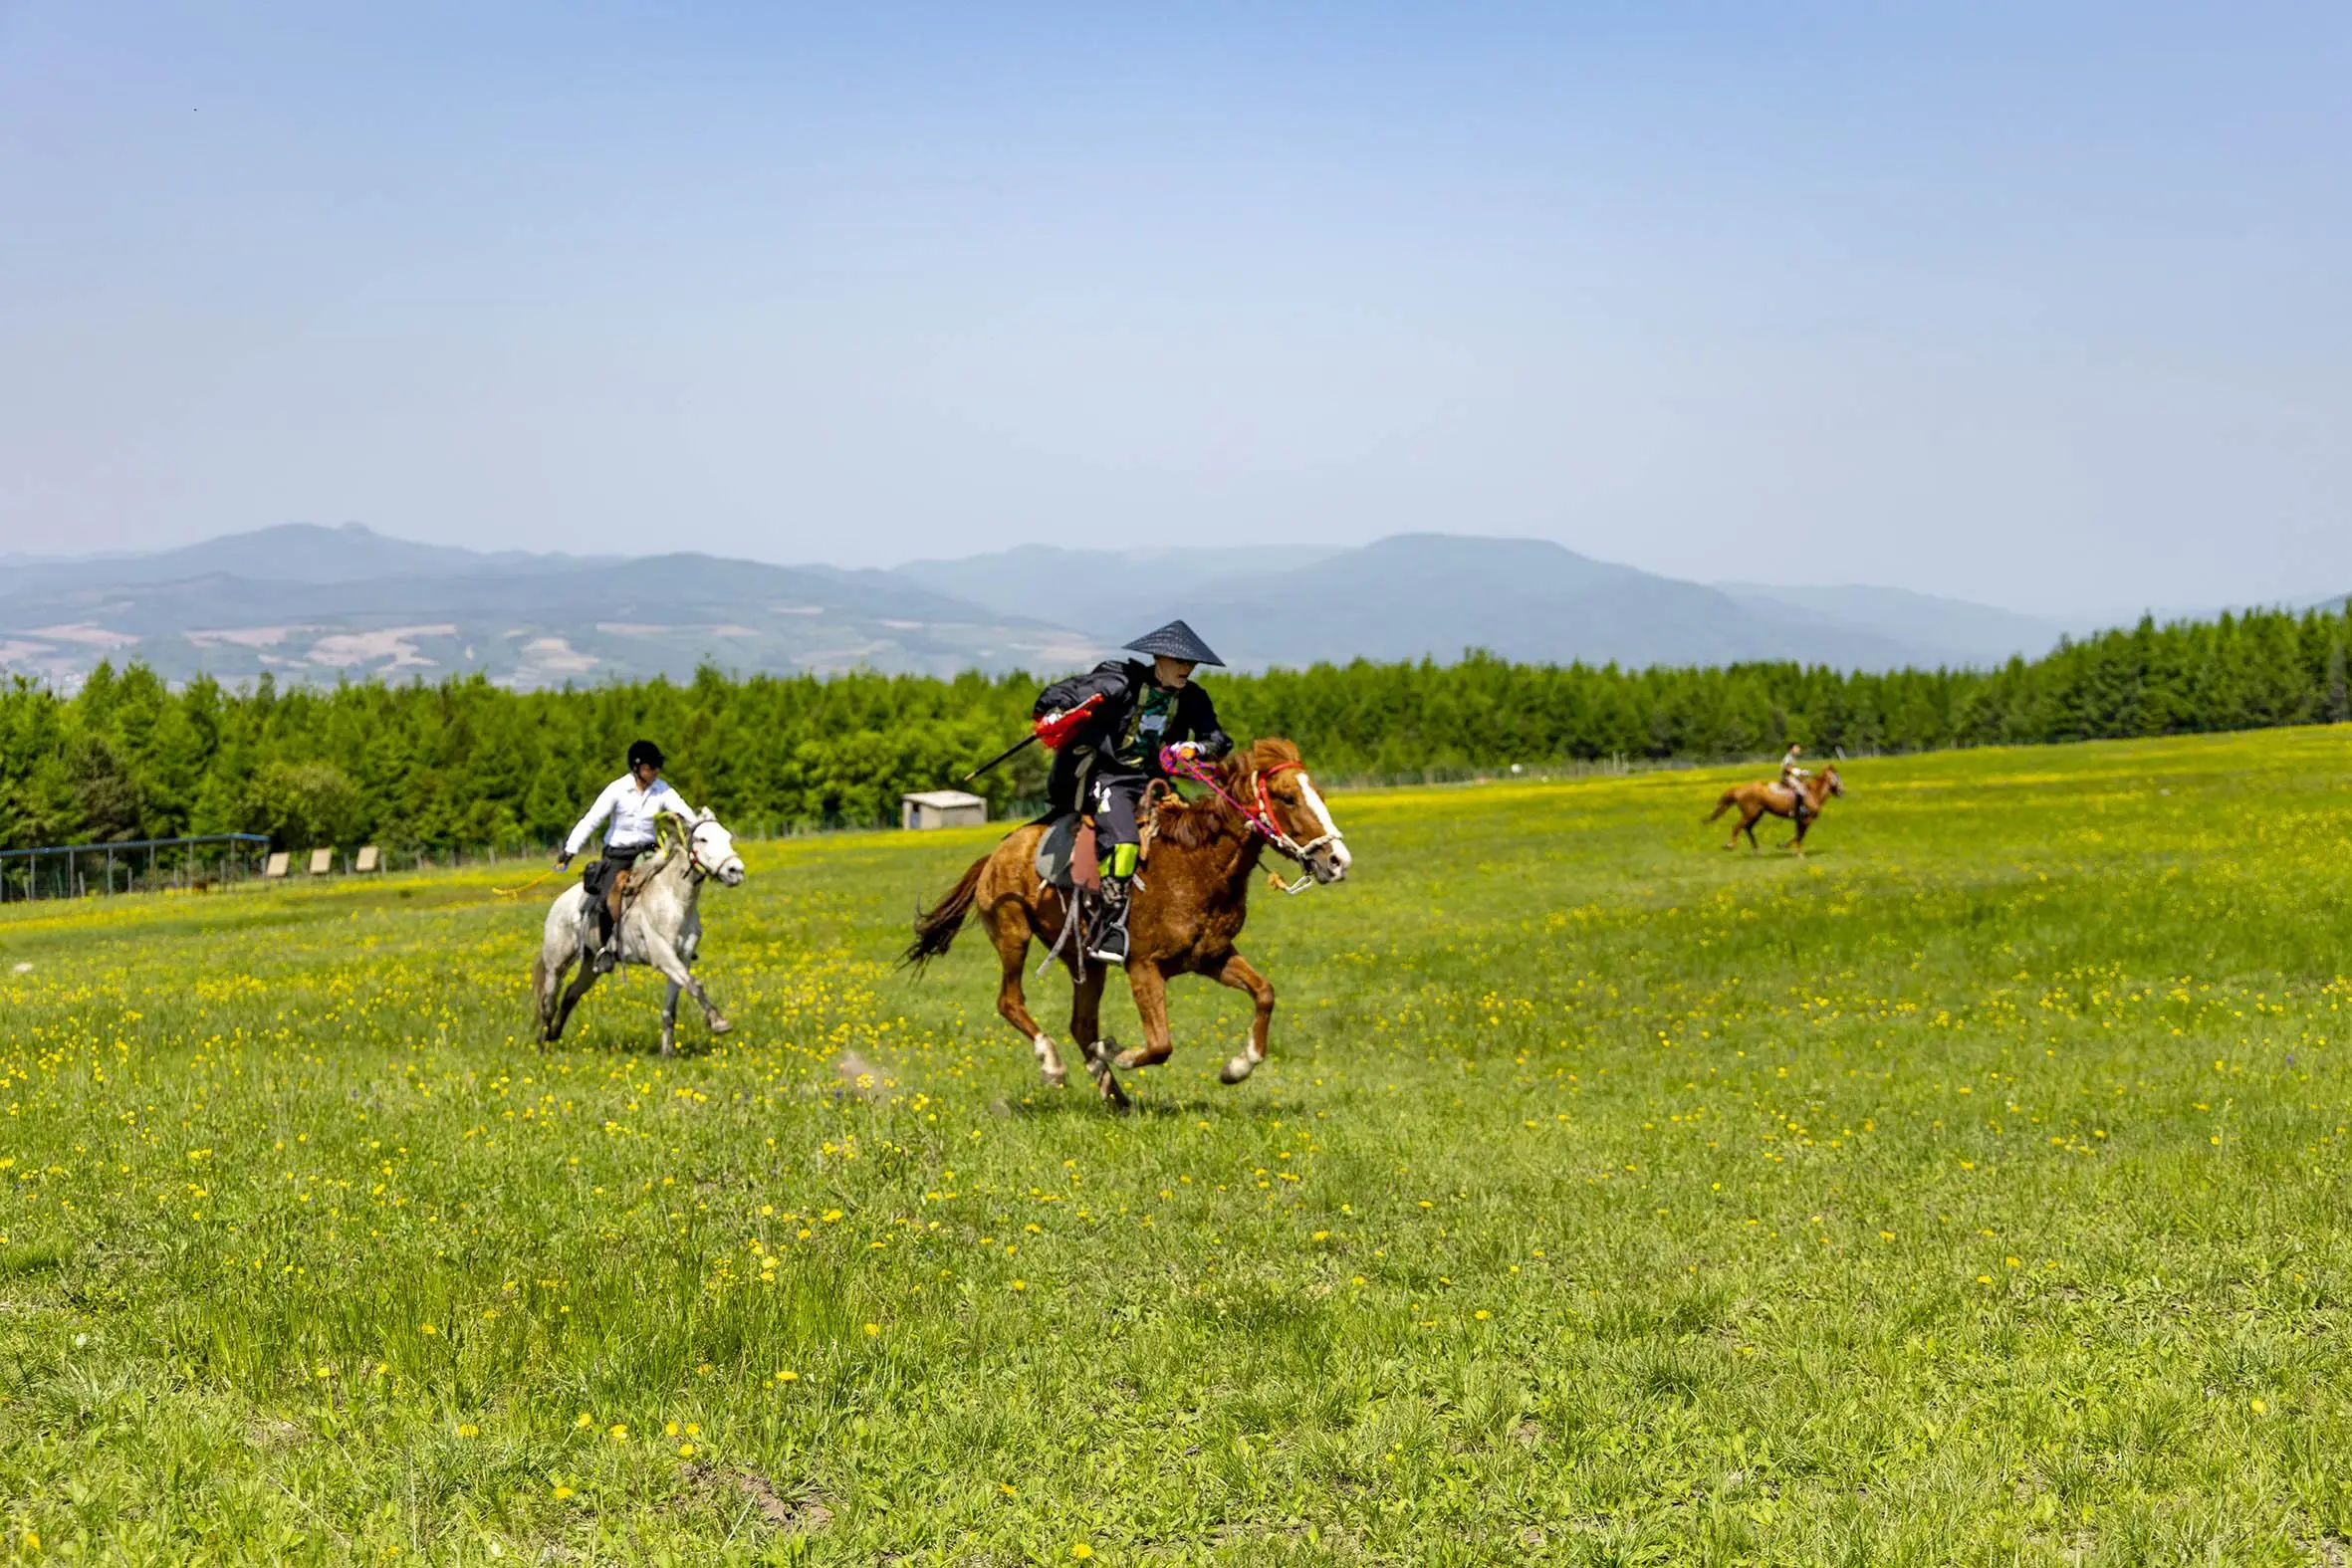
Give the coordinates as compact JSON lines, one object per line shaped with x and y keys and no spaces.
{"x":1258,"y":812}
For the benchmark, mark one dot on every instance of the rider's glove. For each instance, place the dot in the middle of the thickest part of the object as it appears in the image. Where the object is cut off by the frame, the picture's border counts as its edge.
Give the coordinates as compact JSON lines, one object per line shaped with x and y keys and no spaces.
{"x":1171,"y":757}
{"x":563,"y":858}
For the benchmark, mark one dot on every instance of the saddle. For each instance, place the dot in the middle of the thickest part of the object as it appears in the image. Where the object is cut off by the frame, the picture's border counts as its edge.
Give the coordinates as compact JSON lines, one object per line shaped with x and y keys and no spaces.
{"x":1067,"y":856}
{"x":621,"y":891}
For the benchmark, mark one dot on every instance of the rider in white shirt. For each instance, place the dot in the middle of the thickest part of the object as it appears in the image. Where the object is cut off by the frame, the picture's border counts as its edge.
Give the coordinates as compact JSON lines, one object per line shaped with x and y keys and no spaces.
{"x":631,"y":807}
{"x":1793,"y":778}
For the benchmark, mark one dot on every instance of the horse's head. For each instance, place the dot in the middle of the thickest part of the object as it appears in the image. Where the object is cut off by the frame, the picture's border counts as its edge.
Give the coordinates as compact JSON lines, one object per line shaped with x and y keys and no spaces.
{"x":1285,"y":792}
{"x":710,"y":851}
{"x":1838,"y":785}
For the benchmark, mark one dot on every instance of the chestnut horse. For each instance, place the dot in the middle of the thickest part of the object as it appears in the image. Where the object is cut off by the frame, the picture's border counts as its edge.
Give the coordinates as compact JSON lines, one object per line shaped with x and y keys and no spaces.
{"x":1189,"y":904}
{"x":1754,"y":800}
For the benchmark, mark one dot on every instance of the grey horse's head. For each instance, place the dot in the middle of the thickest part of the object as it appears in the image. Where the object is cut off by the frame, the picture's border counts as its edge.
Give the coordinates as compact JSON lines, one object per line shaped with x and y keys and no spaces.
{"x":710,"y":849}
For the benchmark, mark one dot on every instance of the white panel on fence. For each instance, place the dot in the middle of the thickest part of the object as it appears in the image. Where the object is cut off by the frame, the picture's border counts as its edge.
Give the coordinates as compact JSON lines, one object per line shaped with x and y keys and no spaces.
{"x":278,"y":861}
{"x":322,"y":861}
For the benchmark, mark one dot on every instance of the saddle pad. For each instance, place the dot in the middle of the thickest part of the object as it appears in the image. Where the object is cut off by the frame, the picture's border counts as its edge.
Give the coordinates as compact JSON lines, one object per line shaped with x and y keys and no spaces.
{"x":1055,"y":849}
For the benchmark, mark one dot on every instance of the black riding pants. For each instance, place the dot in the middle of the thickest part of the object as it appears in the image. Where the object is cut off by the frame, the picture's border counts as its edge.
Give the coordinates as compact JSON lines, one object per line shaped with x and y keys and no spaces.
{"x":596,"y":879}
{"x":1118,"y":810}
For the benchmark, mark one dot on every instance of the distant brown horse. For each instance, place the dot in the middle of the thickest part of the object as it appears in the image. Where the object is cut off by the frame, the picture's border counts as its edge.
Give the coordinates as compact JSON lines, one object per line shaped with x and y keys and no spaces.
{"x":1756,"y":800}
{"x":1189,"y":905}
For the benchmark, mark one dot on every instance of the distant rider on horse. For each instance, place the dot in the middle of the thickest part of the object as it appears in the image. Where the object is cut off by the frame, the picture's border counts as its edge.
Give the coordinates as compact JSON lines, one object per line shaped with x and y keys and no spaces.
{"x":633,"y":805}
{"x":1793,"y":779}
{"x":1150,"y":717}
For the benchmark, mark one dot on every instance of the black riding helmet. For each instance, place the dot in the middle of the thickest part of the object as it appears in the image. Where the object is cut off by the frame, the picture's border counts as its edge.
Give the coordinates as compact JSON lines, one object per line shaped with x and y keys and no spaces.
{"x":645,"y":752}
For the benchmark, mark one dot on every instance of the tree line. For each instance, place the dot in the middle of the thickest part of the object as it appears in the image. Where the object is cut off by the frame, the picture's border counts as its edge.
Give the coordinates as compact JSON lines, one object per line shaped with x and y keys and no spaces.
{"x":464,"y":764}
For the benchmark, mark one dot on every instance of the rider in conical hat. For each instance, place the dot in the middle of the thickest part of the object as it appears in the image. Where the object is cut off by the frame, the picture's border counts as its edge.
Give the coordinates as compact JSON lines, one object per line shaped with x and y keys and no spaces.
{"x":1150,"y":714}
{"x":630,"y":805}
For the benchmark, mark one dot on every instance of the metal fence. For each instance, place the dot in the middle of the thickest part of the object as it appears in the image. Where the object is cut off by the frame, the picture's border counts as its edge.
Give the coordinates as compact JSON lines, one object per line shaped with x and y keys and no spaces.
{"x":78,"y":870}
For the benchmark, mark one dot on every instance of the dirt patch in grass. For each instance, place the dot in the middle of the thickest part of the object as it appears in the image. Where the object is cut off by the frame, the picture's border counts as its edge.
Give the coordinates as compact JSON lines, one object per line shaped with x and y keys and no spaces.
{"x":801,"y":1516}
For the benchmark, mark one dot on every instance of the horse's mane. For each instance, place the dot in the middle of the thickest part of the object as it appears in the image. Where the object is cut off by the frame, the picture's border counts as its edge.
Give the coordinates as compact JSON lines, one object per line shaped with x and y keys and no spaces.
{"x":1195,"y":824}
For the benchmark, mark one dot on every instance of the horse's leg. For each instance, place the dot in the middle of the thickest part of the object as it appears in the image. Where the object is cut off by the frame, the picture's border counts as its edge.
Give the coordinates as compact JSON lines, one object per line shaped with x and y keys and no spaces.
{"x":546,"y":981}
{"x":669,"y":1021}
{"x":1008,"y":928}
{"x":1150,"y":989}
{"x":1085,"y":1032}
{"x":1085,"y":1011}
{"x":664,"y":957}
{"x":579,"y":987}
{"x":1748,"y":816}
{"x":1239,"y":972}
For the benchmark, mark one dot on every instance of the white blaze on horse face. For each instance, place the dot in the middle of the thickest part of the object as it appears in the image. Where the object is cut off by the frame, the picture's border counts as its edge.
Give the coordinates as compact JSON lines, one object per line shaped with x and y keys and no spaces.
{"x":1322,"y":815}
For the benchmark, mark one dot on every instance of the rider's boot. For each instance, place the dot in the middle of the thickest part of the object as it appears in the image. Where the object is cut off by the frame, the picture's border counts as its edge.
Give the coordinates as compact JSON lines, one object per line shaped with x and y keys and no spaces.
{"x":1107,"y":943}
{"x":602,"y":939}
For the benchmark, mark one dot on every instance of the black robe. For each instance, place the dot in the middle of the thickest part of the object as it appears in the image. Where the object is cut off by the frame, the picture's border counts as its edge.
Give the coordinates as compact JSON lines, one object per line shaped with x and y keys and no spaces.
{"x":1110,"y":728}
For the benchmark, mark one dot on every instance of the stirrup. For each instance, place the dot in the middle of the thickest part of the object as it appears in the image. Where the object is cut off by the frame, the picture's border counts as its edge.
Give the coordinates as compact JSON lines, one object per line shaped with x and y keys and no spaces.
{"x":1107,"y":943}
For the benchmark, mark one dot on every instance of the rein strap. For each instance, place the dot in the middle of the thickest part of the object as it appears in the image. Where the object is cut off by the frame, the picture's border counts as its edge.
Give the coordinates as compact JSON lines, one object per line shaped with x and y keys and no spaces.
{"x":1259,"y":815}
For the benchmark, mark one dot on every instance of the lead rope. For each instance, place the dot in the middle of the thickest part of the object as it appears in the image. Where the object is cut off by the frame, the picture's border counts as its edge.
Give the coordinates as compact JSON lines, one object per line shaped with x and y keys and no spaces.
{"x":1069,"y":923}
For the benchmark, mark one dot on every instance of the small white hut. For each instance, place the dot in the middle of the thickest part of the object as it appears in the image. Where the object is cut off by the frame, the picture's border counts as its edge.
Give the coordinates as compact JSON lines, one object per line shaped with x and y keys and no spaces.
{"x":941,"y":808}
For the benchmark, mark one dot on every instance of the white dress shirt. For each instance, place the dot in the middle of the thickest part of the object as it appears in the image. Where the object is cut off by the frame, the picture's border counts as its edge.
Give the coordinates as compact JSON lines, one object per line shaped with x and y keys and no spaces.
{"x":633,"y":811}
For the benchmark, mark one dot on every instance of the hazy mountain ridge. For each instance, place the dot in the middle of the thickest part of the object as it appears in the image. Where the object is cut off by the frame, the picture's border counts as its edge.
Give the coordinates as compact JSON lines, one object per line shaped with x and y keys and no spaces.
{"x":1955,"y":631}
{"x":318,"y":603}
{"x":1416,"y":596}
{"x":524,"y":620}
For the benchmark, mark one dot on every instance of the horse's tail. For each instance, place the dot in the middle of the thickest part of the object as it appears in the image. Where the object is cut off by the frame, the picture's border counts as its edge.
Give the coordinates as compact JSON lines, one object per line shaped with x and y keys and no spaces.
{"x":936,"y":927}
{"x":1731,"y":797}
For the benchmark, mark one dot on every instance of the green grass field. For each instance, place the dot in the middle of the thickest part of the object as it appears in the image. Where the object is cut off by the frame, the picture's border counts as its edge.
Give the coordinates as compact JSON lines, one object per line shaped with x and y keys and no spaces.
{"x":1973,"y":1190}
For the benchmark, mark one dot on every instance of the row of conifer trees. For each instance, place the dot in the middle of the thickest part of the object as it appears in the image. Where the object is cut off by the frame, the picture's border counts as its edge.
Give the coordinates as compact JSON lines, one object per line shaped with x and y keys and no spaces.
{"x":465,"y":764}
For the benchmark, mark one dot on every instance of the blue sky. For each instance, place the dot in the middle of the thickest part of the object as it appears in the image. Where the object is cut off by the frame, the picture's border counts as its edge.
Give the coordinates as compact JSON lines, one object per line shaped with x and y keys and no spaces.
{"x":2040,"y":305}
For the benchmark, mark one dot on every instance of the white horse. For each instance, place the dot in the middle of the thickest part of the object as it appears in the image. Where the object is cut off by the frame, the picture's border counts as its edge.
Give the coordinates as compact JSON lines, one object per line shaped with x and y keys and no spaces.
{"x":661,"y":927}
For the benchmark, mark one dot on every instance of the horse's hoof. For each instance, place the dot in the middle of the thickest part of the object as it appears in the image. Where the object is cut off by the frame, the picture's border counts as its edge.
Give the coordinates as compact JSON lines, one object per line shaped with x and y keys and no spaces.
{"x":1107,"y":1083}
{"x":1130,"y":1059}
{"x":1055,"y":1078}
{"x":720,"y":1025}
{"x":1236,"y":1068}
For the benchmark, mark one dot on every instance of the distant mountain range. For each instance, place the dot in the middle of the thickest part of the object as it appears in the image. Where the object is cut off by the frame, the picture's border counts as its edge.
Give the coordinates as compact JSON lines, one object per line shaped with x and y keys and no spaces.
{"x":318,"y":603}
